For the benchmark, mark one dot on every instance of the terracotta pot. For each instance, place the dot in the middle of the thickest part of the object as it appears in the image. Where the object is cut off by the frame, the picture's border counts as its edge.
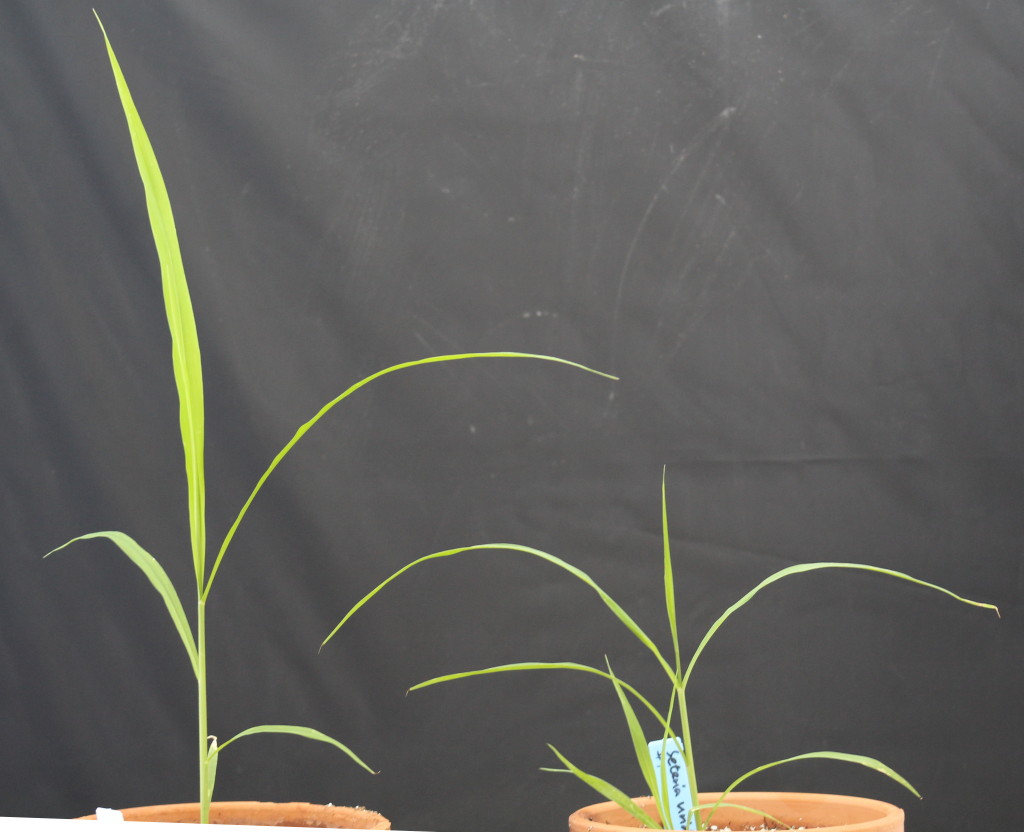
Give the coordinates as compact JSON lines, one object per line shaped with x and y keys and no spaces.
{"x":253,"y":813}
{"x":836,"y":813}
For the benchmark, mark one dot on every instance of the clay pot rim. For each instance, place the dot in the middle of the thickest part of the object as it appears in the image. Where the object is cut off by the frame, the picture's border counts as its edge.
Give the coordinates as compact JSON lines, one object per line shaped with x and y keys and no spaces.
{"x":888,"y":812}
{"x":255,"y":808}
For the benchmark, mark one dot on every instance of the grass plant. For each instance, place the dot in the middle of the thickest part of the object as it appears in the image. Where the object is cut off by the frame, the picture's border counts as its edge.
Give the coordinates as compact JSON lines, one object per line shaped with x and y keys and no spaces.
{"x":187,"y":367}
{"x":673,"y":723}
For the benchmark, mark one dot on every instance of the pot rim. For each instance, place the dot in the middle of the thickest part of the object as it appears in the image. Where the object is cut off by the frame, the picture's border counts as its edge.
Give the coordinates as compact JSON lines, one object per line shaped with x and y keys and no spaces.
{"x":889,"y":815}
{"x":233,"y":809}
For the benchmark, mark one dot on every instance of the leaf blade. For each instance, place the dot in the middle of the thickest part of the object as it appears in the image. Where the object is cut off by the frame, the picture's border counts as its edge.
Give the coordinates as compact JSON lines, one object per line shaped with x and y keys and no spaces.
{"x":608,"y":791}
{"x":157,"y":577}
{"x":669,"y":579}
{"x":519,"y":666}
{"x":640,"y":749}
{"x":323,"y":411}
{"x":609,"y":602}
{"x":298,"y":731}
{"x":186,"y":358}
{"x":752,"y":809}
{"x":858,"y":759}
{"x":809,"y":567}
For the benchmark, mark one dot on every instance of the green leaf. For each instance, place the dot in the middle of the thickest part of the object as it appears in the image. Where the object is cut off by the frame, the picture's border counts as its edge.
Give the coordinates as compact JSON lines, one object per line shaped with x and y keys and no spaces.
{"x":323,"y":411}
{"x":808,"y":567}
{"x":719,"y":805}
{"x":517,"y":666}
{"x":621,"y":688}
{"x":669,"y":580}
{"x":299,"y":731}
{"x":858,"y":759}
{"x":608,"y":791}
{"x":158,"y":578}
{"x":188,"y":375}
{"x":640,"y":749}
{"x":506,"y":668}
{"x":609,"y":602}
{"x":211,"y":770}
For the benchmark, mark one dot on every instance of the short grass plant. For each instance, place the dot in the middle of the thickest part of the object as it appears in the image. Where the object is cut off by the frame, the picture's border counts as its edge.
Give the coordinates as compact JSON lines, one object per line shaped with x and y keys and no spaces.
{"x":188,"y":379}
{"x":673,"y":722}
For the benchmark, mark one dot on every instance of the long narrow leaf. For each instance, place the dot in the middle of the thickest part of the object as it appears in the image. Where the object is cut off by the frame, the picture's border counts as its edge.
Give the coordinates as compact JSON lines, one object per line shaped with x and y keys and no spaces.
{"x":858,"y":759}
{"x":808,"y":567}
{"x":608,"y":791}
{"x":518,"y":666}
{"x":158,"y":578}
{"x":621,"y":688}
{"x":609,"y":602}
{"x":296,"y":730}
{"x":304,"y":428}
{"x":669,"y":580}
{"x":752,"y":809}
{"x":640,"y":749}
{"x":188,"y":374}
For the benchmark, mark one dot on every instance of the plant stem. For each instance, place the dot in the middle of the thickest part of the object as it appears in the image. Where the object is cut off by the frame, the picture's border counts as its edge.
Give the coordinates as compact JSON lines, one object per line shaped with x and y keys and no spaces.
{"x":691,"y":769}
{"x":204,"y":790}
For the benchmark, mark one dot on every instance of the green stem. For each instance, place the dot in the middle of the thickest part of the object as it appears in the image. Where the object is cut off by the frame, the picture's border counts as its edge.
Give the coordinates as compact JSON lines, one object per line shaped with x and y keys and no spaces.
{"x":691,"y":769}
{"x":204,"y":791}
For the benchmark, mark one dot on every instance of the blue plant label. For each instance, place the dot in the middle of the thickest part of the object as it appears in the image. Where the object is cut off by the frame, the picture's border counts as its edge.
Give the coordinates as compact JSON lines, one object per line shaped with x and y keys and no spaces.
{"x":680,"y":800}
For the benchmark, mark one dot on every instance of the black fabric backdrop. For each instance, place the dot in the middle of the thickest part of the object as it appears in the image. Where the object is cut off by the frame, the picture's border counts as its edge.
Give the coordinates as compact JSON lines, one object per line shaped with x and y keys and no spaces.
{"x":792,"y":227}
